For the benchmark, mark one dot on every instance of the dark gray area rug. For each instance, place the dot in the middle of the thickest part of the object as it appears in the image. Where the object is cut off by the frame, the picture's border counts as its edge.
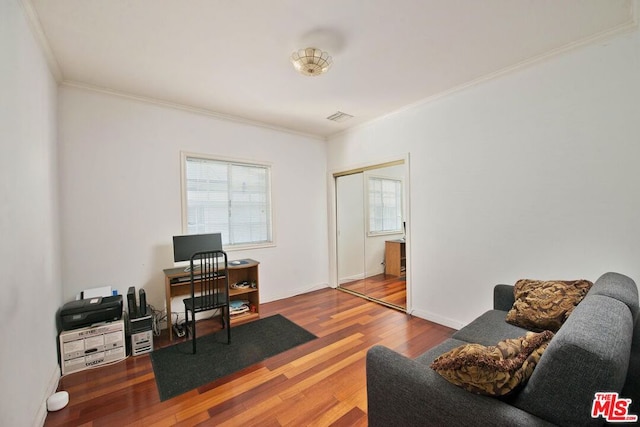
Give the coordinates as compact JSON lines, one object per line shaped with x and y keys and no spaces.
{"x":178,"y":371}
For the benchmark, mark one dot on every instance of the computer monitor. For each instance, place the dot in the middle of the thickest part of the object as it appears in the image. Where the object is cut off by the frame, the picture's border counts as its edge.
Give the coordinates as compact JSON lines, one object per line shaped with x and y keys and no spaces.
{"x":185,"y":246}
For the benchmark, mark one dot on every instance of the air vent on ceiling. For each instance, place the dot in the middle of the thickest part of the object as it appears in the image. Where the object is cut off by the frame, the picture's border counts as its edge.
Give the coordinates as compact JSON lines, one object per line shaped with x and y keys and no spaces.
{"x":339,"y":116}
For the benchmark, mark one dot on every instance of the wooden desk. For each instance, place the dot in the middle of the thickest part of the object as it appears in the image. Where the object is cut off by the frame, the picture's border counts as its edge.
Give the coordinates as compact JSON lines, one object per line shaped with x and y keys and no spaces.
{"x":175,"y":285}
{"x":395,"y":258}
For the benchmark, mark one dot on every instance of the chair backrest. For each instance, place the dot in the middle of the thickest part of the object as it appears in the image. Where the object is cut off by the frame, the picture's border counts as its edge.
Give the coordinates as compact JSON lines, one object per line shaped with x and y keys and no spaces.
{"x":209,"y":279}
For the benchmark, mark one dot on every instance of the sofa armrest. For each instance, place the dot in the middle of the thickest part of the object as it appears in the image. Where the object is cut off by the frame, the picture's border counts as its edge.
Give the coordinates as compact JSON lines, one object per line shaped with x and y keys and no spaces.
{"x":403,"y":392}
{"x":503,"y":298}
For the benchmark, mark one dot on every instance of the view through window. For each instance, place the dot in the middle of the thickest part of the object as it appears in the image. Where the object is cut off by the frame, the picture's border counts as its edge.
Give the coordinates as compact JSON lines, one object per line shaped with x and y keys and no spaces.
{"x":232,"y":198}
{"x":385,"y":205}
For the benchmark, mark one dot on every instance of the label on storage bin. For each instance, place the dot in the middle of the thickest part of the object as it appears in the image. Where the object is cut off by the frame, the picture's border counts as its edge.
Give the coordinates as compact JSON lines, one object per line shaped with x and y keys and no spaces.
{"x":94,"y":359}
{"x":114,"y":353}
{"x":71,"y":364}
{"x":94,"y":342}
{"x":73,"y":349}
{"x":112,"y":339}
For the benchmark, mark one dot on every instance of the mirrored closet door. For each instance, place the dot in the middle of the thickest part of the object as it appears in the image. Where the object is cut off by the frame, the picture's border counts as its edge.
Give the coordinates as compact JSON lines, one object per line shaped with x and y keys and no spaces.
{"x":370,"y":220}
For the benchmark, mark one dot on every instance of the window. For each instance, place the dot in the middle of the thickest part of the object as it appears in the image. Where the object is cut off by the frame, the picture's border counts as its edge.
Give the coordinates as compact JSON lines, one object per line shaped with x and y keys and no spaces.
{"x":228,"y":197}
{"x":385,"y":205}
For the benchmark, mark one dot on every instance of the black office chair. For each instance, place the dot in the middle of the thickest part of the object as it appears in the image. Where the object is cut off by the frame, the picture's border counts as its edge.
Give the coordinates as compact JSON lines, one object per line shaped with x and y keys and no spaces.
{"x":209,"y":289}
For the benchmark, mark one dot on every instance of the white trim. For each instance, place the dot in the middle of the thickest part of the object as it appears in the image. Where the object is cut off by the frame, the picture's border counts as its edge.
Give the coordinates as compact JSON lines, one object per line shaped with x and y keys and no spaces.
{"x":187,"y":108}
{"x":441,"y":320}
{"x":293,"y":292}
{"x":183,"y":186}
{"x":342,"y":280}
{"x":183,"y":200}
{"x":406,"y":199}
{"x":332,"y":235}
{"x":36,"y":27}
{"x":271,"y":244}
{"x":38,"y":33}
{"x":52,"y":386}
{"x":361,"y":167}
{"x":604,"y":35}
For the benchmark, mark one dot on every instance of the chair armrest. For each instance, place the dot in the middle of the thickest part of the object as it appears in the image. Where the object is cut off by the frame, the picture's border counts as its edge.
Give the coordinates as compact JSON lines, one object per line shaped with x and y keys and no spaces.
{"x":403,"y":392}
{"x":503,"y":298}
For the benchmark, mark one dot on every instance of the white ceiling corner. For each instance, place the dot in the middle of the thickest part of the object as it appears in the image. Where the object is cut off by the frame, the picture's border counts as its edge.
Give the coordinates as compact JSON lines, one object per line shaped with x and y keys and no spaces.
{"x":230,"y":59}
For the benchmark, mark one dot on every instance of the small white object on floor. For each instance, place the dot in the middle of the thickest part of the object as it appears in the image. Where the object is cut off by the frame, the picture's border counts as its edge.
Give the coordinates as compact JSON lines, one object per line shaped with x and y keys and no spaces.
{"x":57,"y":401}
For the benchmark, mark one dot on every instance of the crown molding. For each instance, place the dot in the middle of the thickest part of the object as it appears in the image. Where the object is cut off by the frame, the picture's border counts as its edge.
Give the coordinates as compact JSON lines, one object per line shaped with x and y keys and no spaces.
{"x":188,"y":108}
{"x":629,"y":26}
{"x":41,"y":38}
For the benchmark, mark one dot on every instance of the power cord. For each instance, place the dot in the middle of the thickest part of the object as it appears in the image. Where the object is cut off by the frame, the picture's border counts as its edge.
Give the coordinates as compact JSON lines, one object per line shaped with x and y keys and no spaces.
{"x":180,"y":323}
{"x":157,"y":316}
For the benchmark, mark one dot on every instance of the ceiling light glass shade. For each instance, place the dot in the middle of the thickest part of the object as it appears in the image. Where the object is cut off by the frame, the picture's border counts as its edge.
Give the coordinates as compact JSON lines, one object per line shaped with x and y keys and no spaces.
{"x":311,"y":61}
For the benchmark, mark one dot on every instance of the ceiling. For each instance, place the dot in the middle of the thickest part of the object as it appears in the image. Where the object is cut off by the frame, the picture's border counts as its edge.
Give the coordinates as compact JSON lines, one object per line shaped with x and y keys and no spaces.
{"x":231,"y":57}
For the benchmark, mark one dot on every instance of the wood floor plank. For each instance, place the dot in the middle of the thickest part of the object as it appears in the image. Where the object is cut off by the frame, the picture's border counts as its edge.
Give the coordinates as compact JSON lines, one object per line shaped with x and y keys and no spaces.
{"x":251,"y":415}
{"x":321,"y":382}
{"x":332,"y":415}
{"x":354,"y":418}
{"x":311,"y":381}
{"x":305,"y":409}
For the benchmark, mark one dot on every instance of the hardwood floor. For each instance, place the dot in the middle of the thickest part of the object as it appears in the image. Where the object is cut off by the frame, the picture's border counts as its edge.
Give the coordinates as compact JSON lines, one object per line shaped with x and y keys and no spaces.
{"x":318,"y":383}
{"x":383,"y":287}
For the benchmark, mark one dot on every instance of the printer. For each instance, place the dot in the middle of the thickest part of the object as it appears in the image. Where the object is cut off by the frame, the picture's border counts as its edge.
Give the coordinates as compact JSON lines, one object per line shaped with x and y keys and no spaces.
{"x":85,"y":312}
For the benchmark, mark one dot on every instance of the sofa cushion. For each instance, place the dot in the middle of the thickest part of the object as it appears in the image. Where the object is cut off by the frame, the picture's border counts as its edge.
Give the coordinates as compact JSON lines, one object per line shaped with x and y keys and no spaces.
{"x":434,"y":352}
{"x":545,"y":305}
{"x":405,"y":392}
{"x":589,"y":354}
{"x":494,"y":370}
{"x":489,"y":328}
{"x":620,"y":287}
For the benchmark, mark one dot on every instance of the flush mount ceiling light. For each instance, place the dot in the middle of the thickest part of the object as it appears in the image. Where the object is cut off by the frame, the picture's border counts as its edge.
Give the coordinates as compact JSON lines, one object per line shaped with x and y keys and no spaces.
{"x":311,"y":61}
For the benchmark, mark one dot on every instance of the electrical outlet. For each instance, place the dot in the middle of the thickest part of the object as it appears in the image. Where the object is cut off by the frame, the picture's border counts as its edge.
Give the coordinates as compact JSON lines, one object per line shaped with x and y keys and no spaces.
{"x":179,"y":330}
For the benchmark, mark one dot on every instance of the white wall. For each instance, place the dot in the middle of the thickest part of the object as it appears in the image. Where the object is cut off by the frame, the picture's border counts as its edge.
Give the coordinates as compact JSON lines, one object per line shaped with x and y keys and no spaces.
{"x":120,"y":194}
{"x":29,"y":243}
{"x":534,"y":174}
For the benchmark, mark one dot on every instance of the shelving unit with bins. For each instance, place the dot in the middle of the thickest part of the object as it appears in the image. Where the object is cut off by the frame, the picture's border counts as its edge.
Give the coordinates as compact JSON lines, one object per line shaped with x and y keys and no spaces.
{"x":92,"y":346}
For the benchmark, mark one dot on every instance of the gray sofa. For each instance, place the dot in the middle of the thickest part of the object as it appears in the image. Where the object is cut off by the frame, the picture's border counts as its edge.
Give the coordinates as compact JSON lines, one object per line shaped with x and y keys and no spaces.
{"x":596,"y":350}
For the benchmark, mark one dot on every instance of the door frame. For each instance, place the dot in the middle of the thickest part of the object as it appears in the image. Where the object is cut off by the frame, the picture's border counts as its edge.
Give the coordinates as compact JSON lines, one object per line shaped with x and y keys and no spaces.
{"x":333,"y":212}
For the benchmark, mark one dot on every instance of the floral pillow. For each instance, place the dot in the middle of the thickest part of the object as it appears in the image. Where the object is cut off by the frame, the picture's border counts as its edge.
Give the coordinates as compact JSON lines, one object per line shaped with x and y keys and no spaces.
{"x":495,"y":370}
{"x":545,"y":305}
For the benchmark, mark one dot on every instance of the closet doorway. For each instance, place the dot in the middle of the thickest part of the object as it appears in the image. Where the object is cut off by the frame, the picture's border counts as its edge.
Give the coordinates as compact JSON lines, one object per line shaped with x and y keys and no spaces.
{"x":371,"y":232}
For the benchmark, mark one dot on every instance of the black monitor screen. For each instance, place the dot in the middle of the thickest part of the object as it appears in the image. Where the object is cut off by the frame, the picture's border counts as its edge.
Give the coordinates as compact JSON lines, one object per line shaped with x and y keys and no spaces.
{"x":185,"y":246}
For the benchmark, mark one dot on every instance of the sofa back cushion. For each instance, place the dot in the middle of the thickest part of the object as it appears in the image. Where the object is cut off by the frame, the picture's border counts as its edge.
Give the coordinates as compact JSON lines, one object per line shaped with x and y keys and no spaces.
{"x":631,"y":388}
{"x":589,"y":354}
{"x":620,"y":287}
{"x":503,"y":297}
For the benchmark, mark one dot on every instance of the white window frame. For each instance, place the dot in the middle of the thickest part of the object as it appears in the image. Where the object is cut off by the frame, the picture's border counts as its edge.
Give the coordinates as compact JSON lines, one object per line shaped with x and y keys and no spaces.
{"x":229,"y":161}
{"x":400,"y":208}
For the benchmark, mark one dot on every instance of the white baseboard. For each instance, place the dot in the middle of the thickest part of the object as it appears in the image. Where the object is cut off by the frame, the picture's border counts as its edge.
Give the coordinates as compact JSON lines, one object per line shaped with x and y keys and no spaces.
{"x":445,"y":321}
{"x":52,"y":386}
{"x":351,"y":278}
{"x":294,"y":292}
